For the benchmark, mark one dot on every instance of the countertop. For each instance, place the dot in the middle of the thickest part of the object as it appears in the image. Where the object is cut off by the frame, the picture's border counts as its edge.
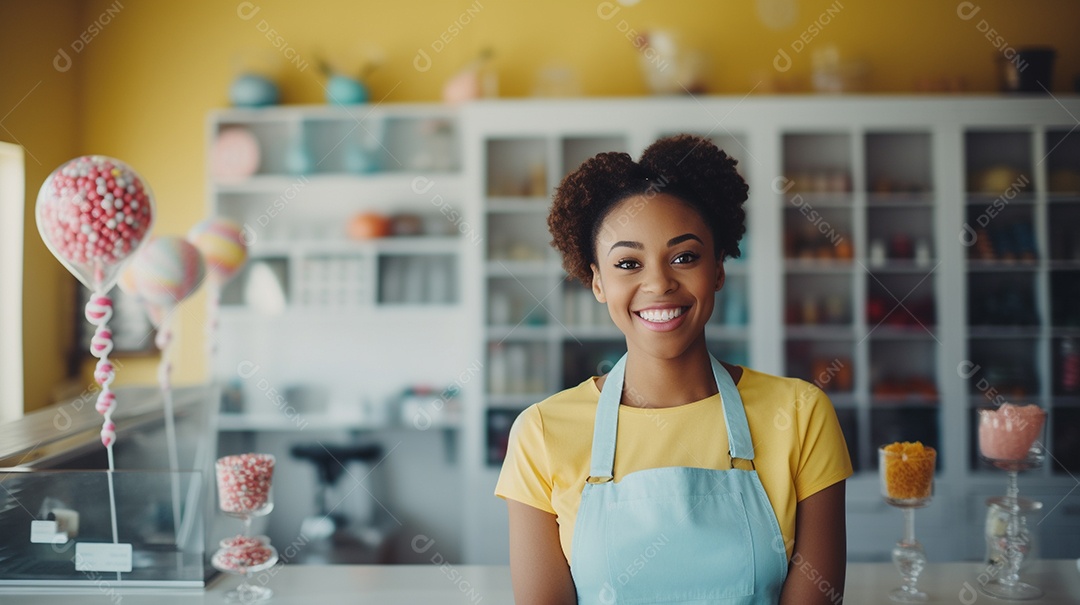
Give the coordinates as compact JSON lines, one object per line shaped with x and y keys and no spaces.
{"x":951,"y":583}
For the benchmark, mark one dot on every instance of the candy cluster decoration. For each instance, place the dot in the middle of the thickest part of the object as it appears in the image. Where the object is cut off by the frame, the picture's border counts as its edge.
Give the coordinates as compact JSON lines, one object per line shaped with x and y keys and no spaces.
{"x":243,"y":555}
{"x":1009,"y":432}
{"x":93,"y":212}
{"x":164,"y":272}
{"x":240,"y":553}
{"x":98,"y":312}
{"x":243,"y":482}
{"x":909,"y":470}
{"x":221,"y":243}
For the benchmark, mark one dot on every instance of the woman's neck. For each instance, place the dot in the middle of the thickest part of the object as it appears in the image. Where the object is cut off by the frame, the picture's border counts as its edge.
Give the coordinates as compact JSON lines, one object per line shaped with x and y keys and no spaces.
{"x":650,"y":382}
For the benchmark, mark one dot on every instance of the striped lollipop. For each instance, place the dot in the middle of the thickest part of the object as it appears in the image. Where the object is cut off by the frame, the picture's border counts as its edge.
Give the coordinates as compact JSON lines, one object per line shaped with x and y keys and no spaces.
{"x":221,"y":243}
{"x":165,"y":272}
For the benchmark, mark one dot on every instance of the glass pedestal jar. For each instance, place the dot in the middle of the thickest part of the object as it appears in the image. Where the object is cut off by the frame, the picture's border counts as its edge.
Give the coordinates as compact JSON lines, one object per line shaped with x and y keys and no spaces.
{"x":997,"y":527}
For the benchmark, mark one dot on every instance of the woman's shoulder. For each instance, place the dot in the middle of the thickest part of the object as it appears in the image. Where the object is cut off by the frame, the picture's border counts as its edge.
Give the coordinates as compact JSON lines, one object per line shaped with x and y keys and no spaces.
{"x":780,"y":390}
{"x":566,"y":415}
{"x":574,"y":400}
{"x":763,"y":380}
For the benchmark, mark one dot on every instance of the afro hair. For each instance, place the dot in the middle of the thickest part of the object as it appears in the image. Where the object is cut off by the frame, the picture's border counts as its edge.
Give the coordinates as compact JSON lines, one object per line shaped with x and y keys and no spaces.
{"x":687,"y":167}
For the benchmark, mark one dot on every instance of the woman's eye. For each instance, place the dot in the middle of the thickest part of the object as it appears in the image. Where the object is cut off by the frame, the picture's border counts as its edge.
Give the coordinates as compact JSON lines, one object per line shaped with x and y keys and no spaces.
{"x":686,"y":257}
{"x":627,"y":264}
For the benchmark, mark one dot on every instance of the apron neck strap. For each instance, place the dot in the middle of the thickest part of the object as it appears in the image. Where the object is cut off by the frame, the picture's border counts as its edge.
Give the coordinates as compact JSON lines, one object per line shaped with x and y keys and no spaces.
{"x":606,"y":427}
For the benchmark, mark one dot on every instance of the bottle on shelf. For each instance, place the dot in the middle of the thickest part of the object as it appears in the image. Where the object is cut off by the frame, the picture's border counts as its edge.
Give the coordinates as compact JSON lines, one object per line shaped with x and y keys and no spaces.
{"x":1070,"y":367}
{"x":498,"y":372}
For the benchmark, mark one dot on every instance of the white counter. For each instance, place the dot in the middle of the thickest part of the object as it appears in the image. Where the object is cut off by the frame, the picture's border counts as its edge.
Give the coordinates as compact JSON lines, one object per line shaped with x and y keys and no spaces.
{"x":869,"y":583}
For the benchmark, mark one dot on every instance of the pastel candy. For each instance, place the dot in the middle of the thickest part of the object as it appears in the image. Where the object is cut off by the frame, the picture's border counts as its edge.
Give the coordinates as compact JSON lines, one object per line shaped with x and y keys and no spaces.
{"x":99,"y":310}
{"x":222,"y":246}
{"x":101,"y":344}
{"x":166,"y":271}
{"x":238,"y":559}
{"x":104,"y":372}
{"x":106,"y":402}
{"x":93,"y":212}
{"x":108,"y":434}
{"x":244,"y":482}
{"x":1008,"y":432}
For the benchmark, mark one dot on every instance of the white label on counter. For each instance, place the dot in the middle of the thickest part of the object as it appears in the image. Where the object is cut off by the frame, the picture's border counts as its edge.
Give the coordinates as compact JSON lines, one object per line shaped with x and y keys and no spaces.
{"x":44,"y":532}
{"x":97,"y":556}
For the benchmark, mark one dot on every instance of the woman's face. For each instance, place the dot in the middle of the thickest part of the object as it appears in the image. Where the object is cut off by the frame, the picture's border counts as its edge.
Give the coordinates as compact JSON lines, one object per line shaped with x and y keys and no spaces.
{"x":656,"y":268}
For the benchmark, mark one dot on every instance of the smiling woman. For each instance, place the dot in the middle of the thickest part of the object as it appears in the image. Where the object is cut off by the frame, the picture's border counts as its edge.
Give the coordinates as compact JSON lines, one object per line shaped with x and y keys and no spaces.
{"x":719,"y":501}
{"x":12,"y":185}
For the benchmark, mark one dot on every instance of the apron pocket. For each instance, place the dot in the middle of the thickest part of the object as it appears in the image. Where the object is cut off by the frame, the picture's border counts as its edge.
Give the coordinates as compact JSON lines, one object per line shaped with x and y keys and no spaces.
{"x":685,"y":548}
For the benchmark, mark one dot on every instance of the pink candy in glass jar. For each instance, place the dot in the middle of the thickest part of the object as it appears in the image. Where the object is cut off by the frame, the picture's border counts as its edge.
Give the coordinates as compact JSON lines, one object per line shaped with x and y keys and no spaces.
{"x":1008,"y":432}
{"x":244,"y":482}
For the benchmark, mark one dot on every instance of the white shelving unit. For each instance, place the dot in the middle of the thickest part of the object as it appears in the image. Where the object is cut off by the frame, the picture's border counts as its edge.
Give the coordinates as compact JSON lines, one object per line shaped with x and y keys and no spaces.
{"x":856,"y":204}
{"x":359,"y":321}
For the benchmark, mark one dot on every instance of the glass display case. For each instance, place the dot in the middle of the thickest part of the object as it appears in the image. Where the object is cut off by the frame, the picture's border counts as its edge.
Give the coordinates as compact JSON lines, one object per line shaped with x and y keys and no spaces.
{"x":67,"y":521}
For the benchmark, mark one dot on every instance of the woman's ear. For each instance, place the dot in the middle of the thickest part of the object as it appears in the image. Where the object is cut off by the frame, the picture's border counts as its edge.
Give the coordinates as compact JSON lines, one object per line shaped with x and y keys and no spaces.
{"x":720,"y":273}
{"x":597,"y":284}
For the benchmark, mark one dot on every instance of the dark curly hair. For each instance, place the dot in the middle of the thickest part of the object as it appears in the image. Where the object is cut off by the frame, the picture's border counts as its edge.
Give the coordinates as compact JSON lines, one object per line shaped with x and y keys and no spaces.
{"x":690,"y":168}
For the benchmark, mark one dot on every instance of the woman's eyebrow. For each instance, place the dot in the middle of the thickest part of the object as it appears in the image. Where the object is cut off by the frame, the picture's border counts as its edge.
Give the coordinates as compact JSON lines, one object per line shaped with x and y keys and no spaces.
{"x":684,"y":237}
{"x":675,"y":241}
{"x":628,"y":244}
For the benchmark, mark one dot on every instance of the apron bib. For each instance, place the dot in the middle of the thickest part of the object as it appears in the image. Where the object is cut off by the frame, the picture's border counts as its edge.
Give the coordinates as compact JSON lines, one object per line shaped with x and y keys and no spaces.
{"x":676,"y":534}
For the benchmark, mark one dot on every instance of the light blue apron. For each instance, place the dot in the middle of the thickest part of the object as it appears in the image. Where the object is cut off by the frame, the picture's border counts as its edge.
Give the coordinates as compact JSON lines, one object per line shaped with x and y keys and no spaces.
{"x":676,"y":534}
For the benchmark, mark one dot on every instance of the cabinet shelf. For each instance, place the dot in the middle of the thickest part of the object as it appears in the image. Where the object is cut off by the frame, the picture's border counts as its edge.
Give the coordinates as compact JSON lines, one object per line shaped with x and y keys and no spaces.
{"x":900,"y":200}
{"x":1062,"y":197}
{"x":278,"y":183}
{"x":900,"y":266}
{"x":916,"y":332}
{"x":1003,"y":332}
{"x":595,"y":333}
{"x":904,"y":401}
{"x":818,"y":200}
{"x":795,"y":265}
{"x":988,"y":199}
{"x":819,"y":332}
{"x":522,"y":268}
{"x":399,"y":246}
{"x":523,"y":204}
{"x":521,"y":332}
{"x":996,"y":266}
{"x":315,"y":422}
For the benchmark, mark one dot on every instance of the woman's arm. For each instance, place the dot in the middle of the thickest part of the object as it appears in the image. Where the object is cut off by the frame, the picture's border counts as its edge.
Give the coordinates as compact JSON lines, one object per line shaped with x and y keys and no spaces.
{"x":538,"y":567}
{"x":819,"y":561}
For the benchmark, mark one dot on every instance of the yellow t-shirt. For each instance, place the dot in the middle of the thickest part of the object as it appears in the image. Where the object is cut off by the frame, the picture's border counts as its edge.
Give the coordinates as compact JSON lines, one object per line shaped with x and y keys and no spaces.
{"x":799,"y":448}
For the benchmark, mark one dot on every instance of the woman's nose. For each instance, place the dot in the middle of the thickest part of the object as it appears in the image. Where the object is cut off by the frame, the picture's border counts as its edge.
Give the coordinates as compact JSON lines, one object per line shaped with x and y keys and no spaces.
{"x":659,"y":280}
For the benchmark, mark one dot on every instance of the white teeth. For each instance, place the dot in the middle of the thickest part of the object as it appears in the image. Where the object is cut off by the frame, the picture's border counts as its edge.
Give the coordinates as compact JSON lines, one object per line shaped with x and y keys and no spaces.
{"x":660,"y":315}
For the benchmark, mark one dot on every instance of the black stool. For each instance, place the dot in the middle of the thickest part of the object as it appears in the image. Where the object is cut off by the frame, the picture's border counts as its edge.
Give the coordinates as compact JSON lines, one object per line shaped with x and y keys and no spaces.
{"x":332,"y":538}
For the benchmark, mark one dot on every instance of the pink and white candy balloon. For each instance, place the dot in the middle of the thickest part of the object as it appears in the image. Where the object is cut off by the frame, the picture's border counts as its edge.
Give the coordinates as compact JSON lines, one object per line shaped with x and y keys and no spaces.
{"x":93,"y":212}
{"x":163,"y":273}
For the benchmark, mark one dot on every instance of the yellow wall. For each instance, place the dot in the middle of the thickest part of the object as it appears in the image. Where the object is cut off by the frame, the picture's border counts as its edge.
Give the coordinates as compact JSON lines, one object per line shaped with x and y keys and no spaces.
{"x":156,"y":68}
{"x":39,"y":109}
